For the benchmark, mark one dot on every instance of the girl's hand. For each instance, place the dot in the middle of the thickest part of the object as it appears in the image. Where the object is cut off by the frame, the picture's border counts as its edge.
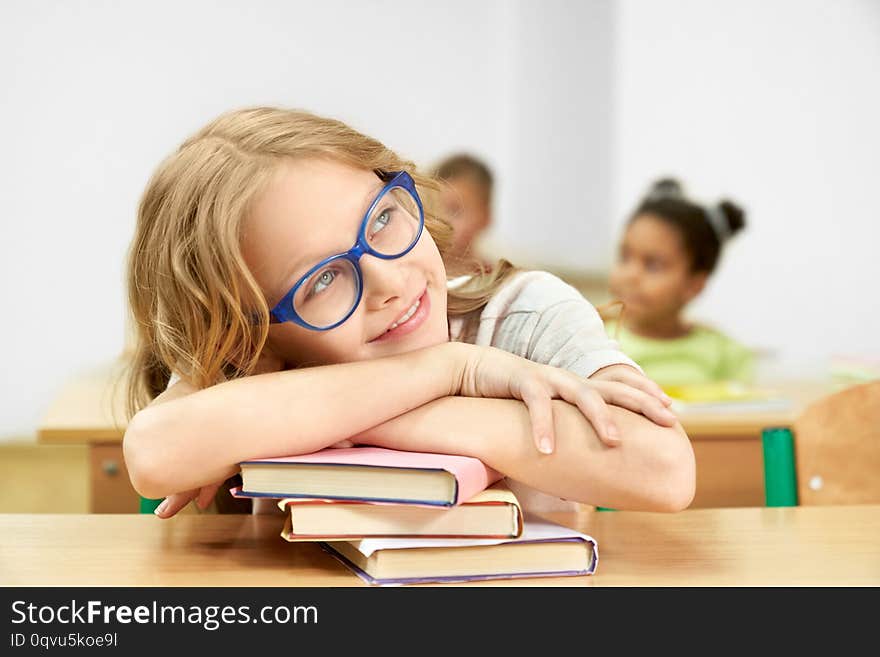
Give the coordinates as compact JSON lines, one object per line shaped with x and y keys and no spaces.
{"x":492,"y":372}
{"x":632,"y":377}
{"x":203,"y":496}
{"x":174,"y":503}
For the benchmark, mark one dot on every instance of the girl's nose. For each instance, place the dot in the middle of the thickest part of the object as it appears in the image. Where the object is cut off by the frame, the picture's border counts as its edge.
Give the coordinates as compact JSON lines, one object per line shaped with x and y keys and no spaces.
{"x":630,"y":272}
{"x":384,"y":282}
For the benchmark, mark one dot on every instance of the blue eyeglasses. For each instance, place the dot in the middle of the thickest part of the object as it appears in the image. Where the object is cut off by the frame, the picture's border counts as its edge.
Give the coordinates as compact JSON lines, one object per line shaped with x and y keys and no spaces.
{"x":328,"y":293}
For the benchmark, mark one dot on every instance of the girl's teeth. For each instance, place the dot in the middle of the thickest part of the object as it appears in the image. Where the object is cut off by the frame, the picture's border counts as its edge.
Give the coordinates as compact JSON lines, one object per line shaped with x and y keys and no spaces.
{"x":409,"y":313}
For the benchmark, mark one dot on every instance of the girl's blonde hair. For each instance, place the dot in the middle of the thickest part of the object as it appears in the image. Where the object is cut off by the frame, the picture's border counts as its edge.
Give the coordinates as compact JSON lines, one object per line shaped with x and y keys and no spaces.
{"x":197,"y":309}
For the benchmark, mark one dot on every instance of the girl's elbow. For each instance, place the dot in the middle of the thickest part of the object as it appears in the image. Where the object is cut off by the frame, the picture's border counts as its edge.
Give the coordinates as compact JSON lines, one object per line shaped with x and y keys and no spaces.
{"x":660,"y":462}
{"x":677,"y":494}
{"x":145,"y":471}
{"x":676,"y":483}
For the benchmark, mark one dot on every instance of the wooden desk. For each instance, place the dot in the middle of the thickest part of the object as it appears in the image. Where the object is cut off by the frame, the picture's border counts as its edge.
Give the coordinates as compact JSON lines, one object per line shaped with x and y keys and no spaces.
{"x":728,"y":448}
{"x":795,"y":546}
{"x":91,"y":410}
{"x":729,"y":451}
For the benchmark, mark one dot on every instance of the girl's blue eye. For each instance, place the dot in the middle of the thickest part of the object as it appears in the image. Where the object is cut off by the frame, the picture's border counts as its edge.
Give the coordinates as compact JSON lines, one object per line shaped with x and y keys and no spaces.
{"x":323,"y":281}
{"x":380,"y":221}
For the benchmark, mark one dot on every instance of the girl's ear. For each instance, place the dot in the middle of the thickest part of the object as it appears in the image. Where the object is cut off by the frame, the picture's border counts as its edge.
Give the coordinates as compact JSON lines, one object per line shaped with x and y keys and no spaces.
{"x":694,"y":285}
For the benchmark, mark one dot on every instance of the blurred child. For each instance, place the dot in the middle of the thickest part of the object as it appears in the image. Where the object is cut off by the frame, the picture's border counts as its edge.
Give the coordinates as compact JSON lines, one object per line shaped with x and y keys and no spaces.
{"x":467,"y":200}
{"x":670,"y":247}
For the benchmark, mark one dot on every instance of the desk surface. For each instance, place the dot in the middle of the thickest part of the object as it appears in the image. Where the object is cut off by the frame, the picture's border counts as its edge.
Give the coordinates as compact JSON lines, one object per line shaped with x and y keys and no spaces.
{"x":796,"y":546}
{"x":749,"y":423}
{"x":91,"y":409}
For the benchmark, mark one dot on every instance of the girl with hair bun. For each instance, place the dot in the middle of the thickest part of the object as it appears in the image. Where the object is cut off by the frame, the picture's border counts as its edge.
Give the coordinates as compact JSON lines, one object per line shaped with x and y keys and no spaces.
{"x":669,"y":249}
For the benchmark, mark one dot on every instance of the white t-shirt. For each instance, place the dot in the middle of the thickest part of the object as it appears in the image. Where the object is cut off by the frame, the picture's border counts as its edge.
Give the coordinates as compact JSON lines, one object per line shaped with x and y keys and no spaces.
{"x":540,"y":317}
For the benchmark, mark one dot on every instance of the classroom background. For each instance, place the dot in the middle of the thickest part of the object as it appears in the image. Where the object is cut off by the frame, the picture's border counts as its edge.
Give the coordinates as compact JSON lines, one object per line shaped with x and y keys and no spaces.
{"x":576,"y":106}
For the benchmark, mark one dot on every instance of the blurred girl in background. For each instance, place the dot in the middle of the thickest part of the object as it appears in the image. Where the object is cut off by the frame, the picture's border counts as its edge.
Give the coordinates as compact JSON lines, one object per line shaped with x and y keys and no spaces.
{"x":669,"y":249}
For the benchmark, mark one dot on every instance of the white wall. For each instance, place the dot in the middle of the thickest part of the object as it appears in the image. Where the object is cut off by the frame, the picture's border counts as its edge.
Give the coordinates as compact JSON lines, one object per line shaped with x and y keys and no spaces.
{"x":555,"y":112}
{"x":96,"y":93}
{"x":775,"y":104}
{"x":576,"y":105}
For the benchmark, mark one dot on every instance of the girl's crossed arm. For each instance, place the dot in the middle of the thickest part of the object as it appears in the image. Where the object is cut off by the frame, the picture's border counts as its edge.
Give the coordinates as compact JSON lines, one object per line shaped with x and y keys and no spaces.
{"x":187,"y":440}
{"x":652,"y":469}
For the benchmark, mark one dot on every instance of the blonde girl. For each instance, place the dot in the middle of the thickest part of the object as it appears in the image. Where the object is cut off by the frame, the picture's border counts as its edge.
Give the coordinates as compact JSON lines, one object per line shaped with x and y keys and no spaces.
{"x":289,"y":293}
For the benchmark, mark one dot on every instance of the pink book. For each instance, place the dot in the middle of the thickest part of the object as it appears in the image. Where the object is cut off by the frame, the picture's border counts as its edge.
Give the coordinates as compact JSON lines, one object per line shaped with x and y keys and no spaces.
{"x":369,"y":474}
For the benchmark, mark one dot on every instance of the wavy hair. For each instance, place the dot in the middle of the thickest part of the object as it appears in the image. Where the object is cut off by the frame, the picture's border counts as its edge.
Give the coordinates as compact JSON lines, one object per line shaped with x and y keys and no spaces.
{"x":192,"y":298}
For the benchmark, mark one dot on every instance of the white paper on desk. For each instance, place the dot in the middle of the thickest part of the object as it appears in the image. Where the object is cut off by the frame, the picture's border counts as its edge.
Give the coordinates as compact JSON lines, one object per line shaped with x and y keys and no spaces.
{"x":733,"y":406}
{"x":535,"y":528}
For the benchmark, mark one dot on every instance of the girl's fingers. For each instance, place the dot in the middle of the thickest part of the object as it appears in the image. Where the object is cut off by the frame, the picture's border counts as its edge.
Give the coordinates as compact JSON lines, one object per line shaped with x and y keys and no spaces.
{"x":624,"y":388}
{"x":633,"y":399}
{"x":174,"y":503}
{"x":594,"y":408}
{"x":632,"y":378}
{"x":537,"y":400}
{"x":206,"y":495}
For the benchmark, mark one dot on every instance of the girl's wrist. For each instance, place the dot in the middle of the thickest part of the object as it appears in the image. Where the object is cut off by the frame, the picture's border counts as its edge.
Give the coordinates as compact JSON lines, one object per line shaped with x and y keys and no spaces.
{"x":439,"y":366}
{"x":453,"y":360}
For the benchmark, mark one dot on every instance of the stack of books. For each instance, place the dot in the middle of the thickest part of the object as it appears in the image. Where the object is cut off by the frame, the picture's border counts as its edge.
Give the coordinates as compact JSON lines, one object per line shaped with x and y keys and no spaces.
{"x":397,"y":517}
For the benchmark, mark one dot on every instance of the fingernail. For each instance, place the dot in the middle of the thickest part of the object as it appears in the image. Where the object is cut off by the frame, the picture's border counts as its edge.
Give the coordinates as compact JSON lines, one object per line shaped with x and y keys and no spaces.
{"x":667,"y":399}
{"x":613,"y":432}
{"x":545,"y":446}
{"x":161,"y":508}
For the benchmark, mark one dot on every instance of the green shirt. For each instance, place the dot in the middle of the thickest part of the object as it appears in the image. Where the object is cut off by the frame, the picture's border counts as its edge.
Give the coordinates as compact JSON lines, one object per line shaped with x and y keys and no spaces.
{"x":702,"y":356}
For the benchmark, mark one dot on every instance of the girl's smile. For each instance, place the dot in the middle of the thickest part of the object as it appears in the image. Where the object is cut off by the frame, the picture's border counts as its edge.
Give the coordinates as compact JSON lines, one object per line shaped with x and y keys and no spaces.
{"x":410,"y":321}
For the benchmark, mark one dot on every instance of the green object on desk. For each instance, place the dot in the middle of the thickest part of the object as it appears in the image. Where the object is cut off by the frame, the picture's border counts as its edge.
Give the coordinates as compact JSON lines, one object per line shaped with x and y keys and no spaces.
{"x":780,"y":476}
{"x":603,"y":508}
{"x":148,"y":505}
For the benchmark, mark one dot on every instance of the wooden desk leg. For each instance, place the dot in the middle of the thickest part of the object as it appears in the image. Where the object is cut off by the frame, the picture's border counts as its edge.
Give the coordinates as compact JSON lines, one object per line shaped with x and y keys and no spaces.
{"x":109,"y":487}
{"x":730,"y":471}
